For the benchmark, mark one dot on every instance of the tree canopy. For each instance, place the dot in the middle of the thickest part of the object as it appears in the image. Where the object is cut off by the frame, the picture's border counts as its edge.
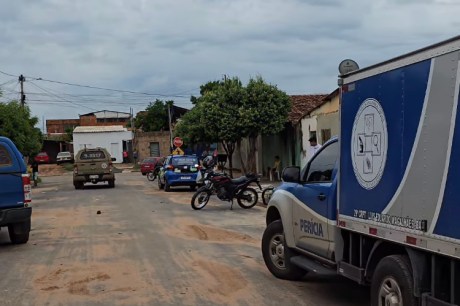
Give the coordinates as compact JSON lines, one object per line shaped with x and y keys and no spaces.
{"x":17,"y":124}
{"x":227,"y":112}
{"x":155,"y":117}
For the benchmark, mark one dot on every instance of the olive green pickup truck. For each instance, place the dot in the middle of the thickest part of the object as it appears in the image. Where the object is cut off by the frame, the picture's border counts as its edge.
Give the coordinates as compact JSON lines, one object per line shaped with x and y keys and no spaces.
{"x":93,"y":165}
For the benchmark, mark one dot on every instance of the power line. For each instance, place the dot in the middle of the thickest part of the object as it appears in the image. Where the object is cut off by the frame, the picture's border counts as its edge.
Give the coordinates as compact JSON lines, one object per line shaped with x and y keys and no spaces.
{"x":112,"y":89}
{"x":65,"y":100}
{"x":8,"y":74}
{"x":101,"y":88}
{"x":8,"y":82}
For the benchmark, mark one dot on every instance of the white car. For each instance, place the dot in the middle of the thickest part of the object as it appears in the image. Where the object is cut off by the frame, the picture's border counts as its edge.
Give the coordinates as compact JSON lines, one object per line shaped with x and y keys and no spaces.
{"x":64,"y":157}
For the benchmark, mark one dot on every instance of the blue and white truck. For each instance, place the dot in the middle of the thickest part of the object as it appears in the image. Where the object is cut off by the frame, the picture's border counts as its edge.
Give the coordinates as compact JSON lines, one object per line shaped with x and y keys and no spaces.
{"x":15,"y":193}
{"x":379,"y":204}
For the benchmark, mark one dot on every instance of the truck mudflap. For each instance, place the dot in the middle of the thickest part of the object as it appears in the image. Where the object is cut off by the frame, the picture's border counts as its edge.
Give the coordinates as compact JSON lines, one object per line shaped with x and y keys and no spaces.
{"x":15,"y":215}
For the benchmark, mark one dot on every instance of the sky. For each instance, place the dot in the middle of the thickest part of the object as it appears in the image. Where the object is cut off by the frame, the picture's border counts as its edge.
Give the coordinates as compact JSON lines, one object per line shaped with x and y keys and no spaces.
{"x":166,"y":49}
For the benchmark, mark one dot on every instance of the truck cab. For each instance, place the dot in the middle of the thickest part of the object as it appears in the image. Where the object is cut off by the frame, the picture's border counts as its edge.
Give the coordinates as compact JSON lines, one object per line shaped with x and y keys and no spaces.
{"x":304,"y":208}
{"x":15,"y":193}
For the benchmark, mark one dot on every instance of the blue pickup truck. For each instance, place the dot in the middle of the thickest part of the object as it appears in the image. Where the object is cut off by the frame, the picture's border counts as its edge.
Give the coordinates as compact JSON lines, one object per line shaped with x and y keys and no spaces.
{"x":15,"y":193}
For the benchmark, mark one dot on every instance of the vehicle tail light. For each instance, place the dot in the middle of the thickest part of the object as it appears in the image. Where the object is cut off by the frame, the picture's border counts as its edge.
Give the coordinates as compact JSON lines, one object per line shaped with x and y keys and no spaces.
{"x":75,"y":168}
{"x":170,"y":167}
{"x":199,"y":167}
{"x":27,"y":189}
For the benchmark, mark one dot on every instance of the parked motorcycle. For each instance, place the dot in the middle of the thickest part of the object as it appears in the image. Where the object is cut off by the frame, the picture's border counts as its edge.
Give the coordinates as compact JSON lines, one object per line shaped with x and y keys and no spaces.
{"x":152,"y":175}
{"x":227,"y":189}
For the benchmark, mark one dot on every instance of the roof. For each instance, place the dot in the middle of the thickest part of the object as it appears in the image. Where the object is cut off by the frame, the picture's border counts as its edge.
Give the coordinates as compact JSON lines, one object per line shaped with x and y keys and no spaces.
{"x":100,"y":129}
{"x":108,"y":114}
{"x":332,"y":95}
{"x":304,"y":104}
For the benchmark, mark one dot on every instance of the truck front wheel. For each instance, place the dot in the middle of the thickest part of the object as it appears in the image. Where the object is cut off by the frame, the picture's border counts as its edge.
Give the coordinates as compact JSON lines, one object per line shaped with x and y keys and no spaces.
{"x":392,"y":282}
{"x":19,"y":232}
{"x":277,"y":255}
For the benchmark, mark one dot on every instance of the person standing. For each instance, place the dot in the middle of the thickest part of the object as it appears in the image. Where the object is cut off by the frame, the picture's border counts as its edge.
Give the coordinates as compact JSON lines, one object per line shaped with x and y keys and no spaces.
{"x":275,"y":171}
{"x":314,"y":146}
{"x":125,"y":156}
{"x":35,"y":172}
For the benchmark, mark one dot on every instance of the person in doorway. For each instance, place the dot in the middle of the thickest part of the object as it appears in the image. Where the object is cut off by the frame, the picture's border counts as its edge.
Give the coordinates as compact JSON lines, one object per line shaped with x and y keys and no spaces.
{"x":125,"y":157}
{"x":34,"y":171}
{"x":275,"y":170}
{"x":314,"y":146}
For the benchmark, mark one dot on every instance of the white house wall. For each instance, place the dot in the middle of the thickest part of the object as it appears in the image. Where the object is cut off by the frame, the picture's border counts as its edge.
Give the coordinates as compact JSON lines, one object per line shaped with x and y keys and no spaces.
{"x":111,"y":141}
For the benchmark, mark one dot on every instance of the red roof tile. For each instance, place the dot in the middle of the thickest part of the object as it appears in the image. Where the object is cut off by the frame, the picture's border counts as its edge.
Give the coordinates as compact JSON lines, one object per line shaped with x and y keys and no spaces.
{"x":304,"y":104}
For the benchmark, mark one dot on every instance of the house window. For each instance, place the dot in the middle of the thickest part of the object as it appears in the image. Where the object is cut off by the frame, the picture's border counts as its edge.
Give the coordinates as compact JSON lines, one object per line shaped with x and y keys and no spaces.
{"x":155,"y":149}
{"x":325,"y":135}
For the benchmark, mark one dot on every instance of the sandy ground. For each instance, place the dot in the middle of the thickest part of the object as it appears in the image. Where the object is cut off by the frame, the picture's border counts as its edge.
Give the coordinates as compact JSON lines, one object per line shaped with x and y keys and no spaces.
{"x":137,"y":245}
{"x":46,"y":170}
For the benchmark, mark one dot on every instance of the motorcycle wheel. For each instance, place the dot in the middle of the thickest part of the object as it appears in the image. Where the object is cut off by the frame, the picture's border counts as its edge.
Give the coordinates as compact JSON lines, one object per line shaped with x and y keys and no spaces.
{"x":266,"y":195}
{"x":151,"y":176}
{"x":247,"y":198}
{"x":201,"y":198}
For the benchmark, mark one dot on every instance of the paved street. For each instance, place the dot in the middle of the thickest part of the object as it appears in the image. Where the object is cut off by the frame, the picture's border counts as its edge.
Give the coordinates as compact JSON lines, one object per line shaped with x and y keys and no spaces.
{"x":148,"y":247}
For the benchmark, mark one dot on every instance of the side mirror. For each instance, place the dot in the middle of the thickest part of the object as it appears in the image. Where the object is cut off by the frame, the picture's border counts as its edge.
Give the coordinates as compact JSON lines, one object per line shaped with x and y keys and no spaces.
{"x":291,"y":174}
{"x":114,"y":159}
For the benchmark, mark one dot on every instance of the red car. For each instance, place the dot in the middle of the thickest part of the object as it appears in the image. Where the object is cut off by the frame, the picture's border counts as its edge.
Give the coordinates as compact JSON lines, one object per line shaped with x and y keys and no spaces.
{"x":42,"y":158}
{"x":148,"y":164}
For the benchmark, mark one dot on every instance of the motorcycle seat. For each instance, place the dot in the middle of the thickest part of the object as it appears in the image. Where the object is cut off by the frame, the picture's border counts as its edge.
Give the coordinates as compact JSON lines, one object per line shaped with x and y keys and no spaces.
{"x":239,"y":180}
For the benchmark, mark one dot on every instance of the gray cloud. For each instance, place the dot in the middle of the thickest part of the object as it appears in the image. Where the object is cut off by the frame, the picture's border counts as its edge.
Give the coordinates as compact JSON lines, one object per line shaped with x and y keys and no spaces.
{"x":170,"y":47}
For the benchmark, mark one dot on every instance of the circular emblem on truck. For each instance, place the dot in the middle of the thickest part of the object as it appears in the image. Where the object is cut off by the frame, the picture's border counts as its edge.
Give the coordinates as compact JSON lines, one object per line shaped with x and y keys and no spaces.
{"x":369,"y":143}
{"x":104,"y":165}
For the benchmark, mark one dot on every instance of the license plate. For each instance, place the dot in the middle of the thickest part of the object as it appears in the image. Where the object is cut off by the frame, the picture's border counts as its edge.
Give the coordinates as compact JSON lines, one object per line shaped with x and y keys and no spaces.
{"x":185,"y":177}
{"x":94,"y":176}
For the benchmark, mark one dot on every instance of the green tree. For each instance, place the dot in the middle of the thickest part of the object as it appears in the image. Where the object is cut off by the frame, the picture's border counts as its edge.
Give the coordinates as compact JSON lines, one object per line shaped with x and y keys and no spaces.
{"x":227,"y":112}
{"x":68,"y":134}
{"x":155,"y":117}
{"x":266,"y":110}
{"x":210,"y":86}
{"x":222,"y":112}
{"x":216,"y":116}
{"x":191,"y":127}
{"x":17,"y":124}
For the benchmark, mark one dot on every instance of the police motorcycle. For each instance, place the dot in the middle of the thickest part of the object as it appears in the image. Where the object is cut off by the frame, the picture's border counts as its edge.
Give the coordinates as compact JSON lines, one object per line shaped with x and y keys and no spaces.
{"x":225,"y":188}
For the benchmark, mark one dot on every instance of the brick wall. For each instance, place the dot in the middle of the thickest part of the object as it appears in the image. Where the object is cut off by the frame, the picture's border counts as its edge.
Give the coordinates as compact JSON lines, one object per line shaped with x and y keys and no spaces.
{"x":59,"y":126}
{"x":143,"y":140}
{"x":88,"y":120}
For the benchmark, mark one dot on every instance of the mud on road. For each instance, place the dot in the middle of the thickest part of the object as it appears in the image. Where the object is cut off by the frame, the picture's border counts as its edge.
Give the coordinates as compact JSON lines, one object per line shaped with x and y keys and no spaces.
{"x":137,"y":245}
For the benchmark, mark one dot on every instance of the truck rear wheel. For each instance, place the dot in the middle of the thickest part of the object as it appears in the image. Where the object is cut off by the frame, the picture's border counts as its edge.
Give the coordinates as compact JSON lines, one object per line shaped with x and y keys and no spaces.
{"x":19,"y":232}
{"x":392,"y":282}
{"x":277,"y":255}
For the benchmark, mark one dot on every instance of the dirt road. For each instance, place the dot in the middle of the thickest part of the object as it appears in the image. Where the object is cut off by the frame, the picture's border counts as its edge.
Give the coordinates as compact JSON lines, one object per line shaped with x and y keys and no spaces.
{"x":136,"y":245}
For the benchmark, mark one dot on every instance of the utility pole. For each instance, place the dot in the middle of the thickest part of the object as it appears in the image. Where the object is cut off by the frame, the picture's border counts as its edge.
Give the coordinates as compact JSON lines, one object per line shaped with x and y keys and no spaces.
{"x":133,"y":132}
{"x":22,"y":79}
{"x":170,"y":130}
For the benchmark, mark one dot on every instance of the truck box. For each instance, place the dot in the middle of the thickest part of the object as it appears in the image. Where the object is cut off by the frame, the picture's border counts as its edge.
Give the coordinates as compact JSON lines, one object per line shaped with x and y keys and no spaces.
{"x":400,"y":150}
